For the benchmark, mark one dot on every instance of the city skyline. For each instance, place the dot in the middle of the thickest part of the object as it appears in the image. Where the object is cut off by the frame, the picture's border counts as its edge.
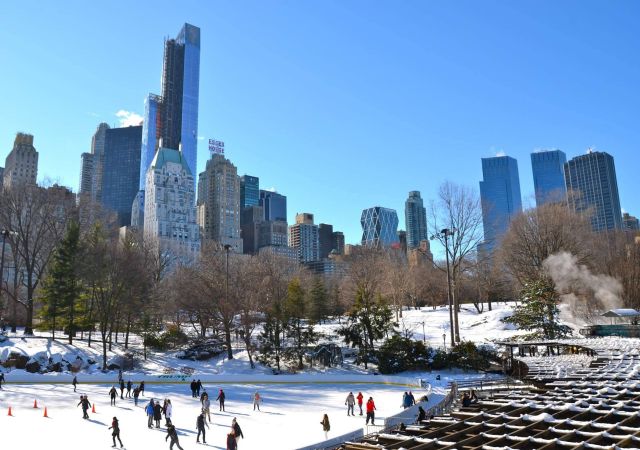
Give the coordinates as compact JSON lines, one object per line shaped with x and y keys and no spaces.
{"x":367,"y":128}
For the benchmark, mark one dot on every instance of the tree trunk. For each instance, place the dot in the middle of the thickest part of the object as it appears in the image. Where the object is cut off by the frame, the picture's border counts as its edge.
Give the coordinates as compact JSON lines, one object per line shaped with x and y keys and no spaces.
{"x":227,"y":338}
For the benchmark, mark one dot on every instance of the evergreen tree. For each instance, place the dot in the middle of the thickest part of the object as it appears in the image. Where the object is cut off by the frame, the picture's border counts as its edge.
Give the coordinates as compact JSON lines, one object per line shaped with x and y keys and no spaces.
{"x":367,"y":321}
{"x":61,"y":289}
{"x":538,"y":311}
{"x":318,"y":301}
{"x":298,"y":328}
{"x":272,"y":337}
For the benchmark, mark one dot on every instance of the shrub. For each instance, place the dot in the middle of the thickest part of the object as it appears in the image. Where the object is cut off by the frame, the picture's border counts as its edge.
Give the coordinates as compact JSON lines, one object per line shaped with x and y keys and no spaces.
{"x":398,"y":354}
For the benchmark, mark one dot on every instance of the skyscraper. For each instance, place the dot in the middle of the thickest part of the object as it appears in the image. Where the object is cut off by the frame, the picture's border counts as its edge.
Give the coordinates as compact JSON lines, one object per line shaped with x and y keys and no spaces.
{"x":249,"y":191}
{"x":91,"y":170}
{"x":379,"y":227}
{"x":630,"y":222}
{"x":338,"y":242}
{"x":274,"y":204}
{"x":21,"y":165}
{"x":170,"y":211}
{"x":173,"y":117}
{"x":219,"y":202}
{"x":415,"y":219}
{"x":592,"y":186}
{"x":303,"y":236}
{"x":325,"y":236}
{"x":499,"y":196}
{"x":120,"y":170}
{"x":548,"y":176}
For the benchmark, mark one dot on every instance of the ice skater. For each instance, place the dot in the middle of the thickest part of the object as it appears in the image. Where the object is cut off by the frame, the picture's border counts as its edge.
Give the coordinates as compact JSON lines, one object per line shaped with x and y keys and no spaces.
{"x":232,"y":444}
{"x":351,"y":403}
{"x":220,"y":399}
{"x":2,"y":381}
{"x":256,"y":401}
{"x":84,"y":401}
{"x":173,"y":434}
{"x":168,"y":412}
{"x":325,"y":426}
{"x":237,"y":431}
{"x":113,"y":394}
{"x":371,"y":407}
{"x":142,"y":388}
{"x":149,"y":411}
{"x":129,"y":386}
{"x":116,"y":432}
{"x":74,"y":383}
{"x":200,"y":424}
{"x":157,"y":414}
{"x":360,"y":397}
{"x":121,"y":389}
{"x":206,"y":405}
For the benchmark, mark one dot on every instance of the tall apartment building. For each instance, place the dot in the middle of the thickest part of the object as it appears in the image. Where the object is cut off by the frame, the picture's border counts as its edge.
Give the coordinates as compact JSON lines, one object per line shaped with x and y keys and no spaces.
{"x":21,"y":165}
{"x":338,"y":242}
{"x":548,"y":176}
{"x":591,"y":181}
{"x":500,"y":198}
{"x":120,"y":172}
{"x":415,"y":219}
{"x":249,"y":191}
{"x":170,"y":211}
{"x":379,"y":227}
{"x":173,"y":116}
{"x":274,"y":204}
{"x":325,"y":237}
{"x":630,"y":222}
{"x":251,"y":219}
{"x":219,"y":202}
{"x":303,"y":236}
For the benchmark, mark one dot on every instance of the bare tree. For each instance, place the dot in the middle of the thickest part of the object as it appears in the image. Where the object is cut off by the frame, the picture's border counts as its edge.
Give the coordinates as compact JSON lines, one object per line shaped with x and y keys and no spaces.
{"x":458,"y":210}
{"x":540,"y":232}
{"x":38,"y":218}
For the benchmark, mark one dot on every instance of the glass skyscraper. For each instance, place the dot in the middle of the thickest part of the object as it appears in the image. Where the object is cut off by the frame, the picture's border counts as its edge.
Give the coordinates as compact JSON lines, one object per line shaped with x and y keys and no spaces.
{"x":249,"y":191}
{"x":415,"y":216}
{"x":120,"y":174}
{"x":379,"y":227}
{"x":274,"y":204}
{"x":173,"y":117}
{"x":548,"y":176}
{"x":592,"y":186}
{"x":499,"y":196}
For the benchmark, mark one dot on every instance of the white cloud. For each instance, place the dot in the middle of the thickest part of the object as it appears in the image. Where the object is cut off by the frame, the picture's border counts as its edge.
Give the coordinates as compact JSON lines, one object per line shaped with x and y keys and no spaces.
{"x":624,"y":211}
{"x":501,"y":153}
{"x":201,"y":138}
{"x":271,"y":189}
{"x":128,"y":118}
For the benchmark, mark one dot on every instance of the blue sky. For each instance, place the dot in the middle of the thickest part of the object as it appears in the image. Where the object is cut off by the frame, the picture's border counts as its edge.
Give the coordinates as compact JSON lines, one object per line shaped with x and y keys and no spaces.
{"x":340,"y":105}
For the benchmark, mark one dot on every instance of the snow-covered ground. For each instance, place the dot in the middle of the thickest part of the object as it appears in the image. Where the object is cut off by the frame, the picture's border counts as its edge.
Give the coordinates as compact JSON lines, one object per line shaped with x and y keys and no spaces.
{"x":293,"y":404}
{"x":289,"y":418}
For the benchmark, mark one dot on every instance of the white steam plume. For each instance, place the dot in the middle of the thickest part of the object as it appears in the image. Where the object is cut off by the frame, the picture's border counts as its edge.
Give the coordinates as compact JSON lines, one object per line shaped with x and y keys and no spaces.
{"x":569,"y":276}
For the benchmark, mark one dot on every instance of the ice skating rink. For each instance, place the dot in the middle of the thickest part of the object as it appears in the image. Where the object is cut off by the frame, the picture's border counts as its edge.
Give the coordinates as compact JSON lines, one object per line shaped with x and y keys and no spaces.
{"x":289,"y":418}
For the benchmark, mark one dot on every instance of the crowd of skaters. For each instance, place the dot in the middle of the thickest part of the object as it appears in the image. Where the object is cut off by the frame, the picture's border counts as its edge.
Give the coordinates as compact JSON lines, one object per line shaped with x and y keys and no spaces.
{"x":155,"y":411}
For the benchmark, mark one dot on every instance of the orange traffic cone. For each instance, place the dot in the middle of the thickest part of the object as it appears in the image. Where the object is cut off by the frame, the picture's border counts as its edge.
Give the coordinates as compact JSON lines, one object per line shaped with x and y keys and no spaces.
{"x":10,"y":412}
{"x":93,"y":408}
{"x":45,"y":412}
{"x":35,"y":403}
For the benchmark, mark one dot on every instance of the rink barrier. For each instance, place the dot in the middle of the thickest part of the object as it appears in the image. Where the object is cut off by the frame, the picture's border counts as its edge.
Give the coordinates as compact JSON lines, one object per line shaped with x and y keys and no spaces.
{"x":336,"y":441}
{"x":219,"y":379}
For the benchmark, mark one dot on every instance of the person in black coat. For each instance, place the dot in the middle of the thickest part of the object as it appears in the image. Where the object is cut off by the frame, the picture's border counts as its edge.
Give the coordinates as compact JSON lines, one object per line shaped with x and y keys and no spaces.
{"x":237,"y":431}
{"x":200,"y":424}
{"x":122,"y":389}
{"x":113,"y":394}
{"x":142,"y":388}
{"x":173,"y":434}
{"x":116,"y":432}
{"x":129,"y":386}
{"x":198,"y":388}
{"x":157,"y":413}
{"x":220,"y":398}
{"x":422,"y":414}
{"x":75,"y":383}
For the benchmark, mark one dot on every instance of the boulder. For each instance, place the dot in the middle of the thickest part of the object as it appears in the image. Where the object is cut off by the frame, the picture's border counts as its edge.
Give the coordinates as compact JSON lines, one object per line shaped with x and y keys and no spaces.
{"x":33,"y":366}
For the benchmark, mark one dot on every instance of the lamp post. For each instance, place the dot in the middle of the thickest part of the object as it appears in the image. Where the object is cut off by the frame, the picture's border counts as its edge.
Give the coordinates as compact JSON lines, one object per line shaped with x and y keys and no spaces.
{"x":424,"y":335}
{"x":227,"y":247}
{"x":444,"y":341}
{"x":446,"y":232}
{"x":5,"y":234}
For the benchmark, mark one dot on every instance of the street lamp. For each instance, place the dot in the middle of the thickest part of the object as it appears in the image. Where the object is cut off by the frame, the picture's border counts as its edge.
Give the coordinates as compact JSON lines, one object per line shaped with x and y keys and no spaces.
{"x":446,"y":232}
{"x":227,"y":247}
{"x":444,"y":341}
{"x":424,"y":335}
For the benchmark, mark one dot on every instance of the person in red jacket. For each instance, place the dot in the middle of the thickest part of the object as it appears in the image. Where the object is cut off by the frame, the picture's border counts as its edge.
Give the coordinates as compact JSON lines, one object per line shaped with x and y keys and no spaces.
{"x":371,"y":407}
{"x":360,"y":397}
